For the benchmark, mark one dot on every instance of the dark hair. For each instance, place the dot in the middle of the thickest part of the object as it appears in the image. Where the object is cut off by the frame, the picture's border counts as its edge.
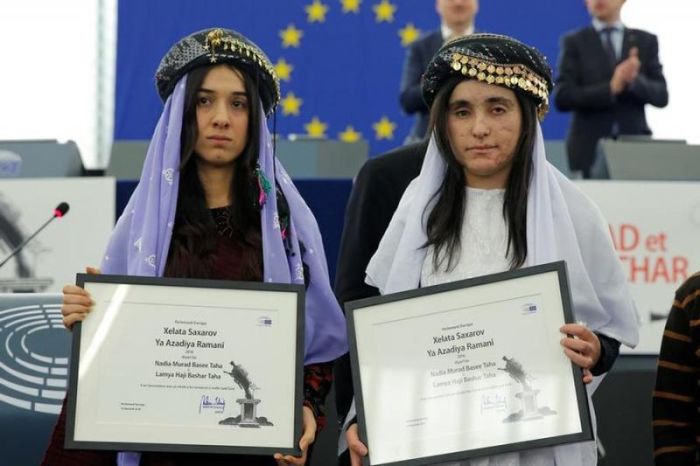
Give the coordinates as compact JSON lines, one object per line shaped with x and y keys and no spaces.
{"x":195,"y":234}
{"x":445,"y":220}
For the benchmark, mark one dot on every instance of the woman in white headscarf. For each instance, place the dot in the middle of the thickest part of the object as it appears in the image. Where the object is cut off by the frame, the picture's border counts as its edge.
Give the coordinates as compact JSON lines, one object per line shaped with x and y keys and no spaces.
{"x":487,"y":201}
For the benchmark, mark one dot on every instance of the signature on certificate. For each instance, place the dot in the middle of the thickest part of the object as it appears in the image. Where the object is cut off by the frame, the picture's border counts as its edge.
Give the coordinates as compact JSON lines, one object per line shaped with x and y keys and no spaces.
{"x":493,"y":401}
{"x":217,"y":404}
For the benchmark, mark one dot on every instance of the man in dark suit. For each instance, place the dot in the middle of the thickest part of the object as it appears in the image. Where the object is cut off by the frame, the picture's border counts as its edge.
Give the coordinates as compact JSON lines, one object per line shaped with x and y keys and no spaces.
{"x":457,"y":19}
{"x":607,"y":74}
{"x":375,"y":195}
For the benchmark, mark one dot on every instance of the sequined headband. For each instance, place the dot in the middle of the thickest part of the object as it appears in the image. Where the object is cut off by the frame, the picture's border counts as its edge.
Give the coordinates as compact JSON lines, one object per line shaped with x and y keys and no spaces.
{"x":219,"y":39}
{"x":218,"y":45}
{"x":509,"y":75}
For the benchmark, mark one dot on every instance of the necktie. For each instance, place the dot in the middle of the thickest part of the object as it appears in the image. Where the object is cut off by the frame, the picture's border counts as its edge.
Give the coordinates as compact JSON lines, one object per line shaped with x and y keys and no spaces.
{"x":608,"y":45}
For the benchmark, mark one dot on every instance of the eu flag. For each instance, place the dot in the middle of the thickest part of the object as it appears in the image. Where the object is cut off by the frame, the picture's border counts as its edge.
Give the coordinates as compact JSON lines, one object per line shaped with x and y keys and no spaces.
{"x":339,"y":61}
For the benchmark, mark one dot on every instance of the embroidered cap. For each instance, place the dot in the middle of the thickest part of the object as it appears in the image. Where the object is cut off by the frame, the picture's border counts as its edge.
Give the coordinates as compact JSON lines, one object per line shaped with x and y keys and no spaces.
{"x":492,"y":59}
{"x":213,"y":46}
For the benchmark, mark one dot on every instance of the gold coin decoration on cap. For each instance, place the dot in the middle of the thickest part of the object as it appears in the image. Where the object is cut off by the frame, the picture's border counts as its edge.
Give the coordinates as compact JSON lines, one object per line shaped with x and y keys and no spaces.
{"x":510,"y":75}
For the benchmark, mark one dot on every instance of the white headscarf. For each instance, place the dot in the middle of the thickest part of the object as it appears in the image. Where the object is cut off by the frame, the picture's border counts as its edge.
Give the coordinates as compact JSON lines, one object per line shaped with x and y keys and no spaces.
{"x":562,"y":224}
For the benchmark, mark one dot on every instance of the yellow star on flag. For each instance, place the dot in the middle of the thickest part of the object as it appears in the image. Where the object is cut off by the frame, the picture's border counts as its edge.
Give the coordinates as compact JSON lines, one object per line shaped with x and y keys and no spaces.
{"x":350,"y":135}
{"x":316,"y":12}
{"x":284,"y":69}
{"x":291,"y":104}
{"x":351,"y":6}
{"x":384,"y":128}
{"x":384,"y":11}
{"x":316,"y":128}
{"x":291,"y":36}
{"x":409,"y":34}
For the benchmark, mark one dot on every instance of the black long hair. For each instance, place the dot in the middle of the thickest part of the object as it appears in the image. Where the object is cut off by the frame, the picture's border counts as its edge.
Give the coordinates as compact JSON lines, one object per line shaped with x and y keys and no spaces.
{"x":195,"y":234}
{"x":444,"y":222}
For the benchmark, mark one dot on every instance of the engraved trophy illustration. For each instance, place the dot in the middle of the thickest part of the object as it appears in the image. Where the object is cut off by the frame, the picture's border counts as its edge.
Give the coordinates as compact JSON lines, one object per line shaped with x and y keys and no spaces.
{"x":530,"y":409}
{"x":249,"y":404}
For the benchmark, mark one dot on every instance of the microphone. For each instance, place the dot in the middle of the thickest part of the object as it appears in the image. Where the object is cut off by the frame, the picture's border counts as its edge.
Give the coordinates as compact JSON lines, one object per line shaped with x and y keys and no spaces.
{"x":60,"y":210}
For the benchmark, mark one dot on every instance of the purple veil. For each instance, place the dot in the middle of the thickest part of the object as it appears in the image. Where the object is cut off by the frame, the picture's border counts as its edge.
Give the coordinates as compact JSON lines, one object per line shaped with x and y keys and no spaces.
{"x":141,"y":239}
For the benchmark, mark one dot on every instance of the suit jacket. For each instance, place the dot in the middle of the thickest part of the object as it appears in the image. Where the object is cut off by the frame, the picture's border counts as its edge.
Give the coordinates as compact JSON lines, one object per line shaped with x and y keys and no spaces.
{"x":374,"y":197}
{"x":411,"y":98}
{"x":583,"y":87}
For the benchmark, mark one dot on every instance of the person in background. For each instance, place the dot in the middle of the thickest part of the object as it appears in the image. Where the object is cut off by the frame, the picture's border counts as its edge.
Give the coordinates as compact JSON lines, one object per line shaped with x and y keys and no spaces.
{"x":607,"y":74}
{"x":375,"y":194}
{"x":676,"y":399}
{"x":456,"y":20}
{"x":382,"y":181}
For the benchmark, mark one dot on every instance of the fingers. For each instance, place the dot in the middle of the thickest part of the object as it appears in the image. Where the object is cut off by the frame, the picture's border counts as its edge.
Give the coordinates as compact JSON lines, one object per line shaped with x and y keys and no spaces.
{"x":307,"y":439}
{"x":92,"y":270}
{"x":587,"y":376}
{"x":355,"y":458}
{"x":627,"y":70}
{"x":577,"y":345}
{"x":75,"y":295}
{"x":579,"y":359}
{"x":356,"y":447}
{"x":70,"y":319}
{"x":309,"y":434}
{"x":286,"y":460}
{"x":582,"y":345}
{"x":577,"y":330}
{"x":580,"y":352}
{"x":634,"y":52}
{"x":77,"y":303}
{"x":69,"y":309}
{"x":76,"y":299}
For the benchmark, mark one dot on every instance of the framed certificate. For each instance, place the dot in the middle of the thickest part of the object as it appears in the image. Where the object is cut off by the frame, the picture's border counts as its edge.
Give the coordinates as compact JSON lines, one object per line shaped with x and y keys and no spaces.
{"x":466,"y":369}
{"x":183,"y":365}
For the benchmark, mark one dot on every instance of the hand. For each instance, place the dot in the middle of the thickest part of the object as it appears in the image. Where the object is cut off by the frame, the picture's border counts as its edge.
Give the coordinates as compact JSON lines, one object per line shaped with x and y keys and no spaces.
{"x":617,"y":83}
{"x":76,"y":302}
{"x":583,"y":349}
{"x":307,"y":439}
{"x":625,"y":72}
{"x":631,"y":65}
{"x":623,"y":75}
{"x":356,"y":447}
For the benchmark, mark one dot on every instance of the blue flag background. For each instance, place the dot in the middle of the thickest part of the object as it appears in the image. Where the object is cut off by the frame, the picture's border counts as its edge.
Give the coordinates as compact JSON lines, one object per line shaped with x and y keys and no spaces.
{"x":340,"y":60}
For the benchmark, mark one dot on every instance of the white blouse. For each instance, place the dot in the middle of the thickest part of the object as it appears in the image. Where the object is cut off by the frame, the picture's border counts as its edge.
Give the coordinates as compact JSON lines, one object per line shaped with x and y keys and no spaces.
{"x":483,"y":241}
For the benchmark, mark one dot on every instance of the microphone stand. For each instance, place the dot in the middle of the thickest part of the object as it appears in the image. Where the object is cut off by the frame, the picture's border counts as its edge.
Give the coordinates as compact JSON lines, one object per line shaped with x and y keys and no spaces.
{"x":23,"y":243}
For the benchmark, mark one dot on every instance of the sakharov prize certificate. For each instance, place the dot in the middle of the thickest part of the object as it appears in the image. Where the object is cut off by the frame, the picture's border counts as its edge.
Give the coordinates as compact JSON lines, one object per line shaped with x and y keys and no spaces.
{"x":467,"y":369}
{"x":187,"y":366}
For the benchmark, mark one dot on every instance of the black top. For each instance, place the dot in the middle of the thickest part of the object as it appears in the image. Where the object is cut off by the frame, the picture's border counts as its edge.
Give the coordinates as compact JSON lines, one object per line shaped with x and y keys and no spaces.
{"x":317,"y":383}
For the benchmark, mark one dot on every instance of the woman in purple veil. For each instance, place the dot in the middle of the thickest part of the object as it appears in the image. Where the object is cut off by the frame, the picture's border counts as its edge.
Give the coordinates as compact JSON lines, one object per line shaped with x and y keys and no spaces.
{"x":213,"y":202}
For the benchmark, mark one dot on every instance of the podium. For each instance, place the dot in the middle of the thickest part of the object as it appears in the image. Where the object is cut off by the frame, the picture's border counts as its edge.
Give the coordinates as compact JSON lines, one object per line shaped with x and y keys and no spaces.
{"x":302,"y":158}
{"x":651,"y":160}
{"x":555,"y":149}
{"x":39,"y":159}
{"x":33,"y":374}
{"x":126,"y":160}
{"x":322,"y":158}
